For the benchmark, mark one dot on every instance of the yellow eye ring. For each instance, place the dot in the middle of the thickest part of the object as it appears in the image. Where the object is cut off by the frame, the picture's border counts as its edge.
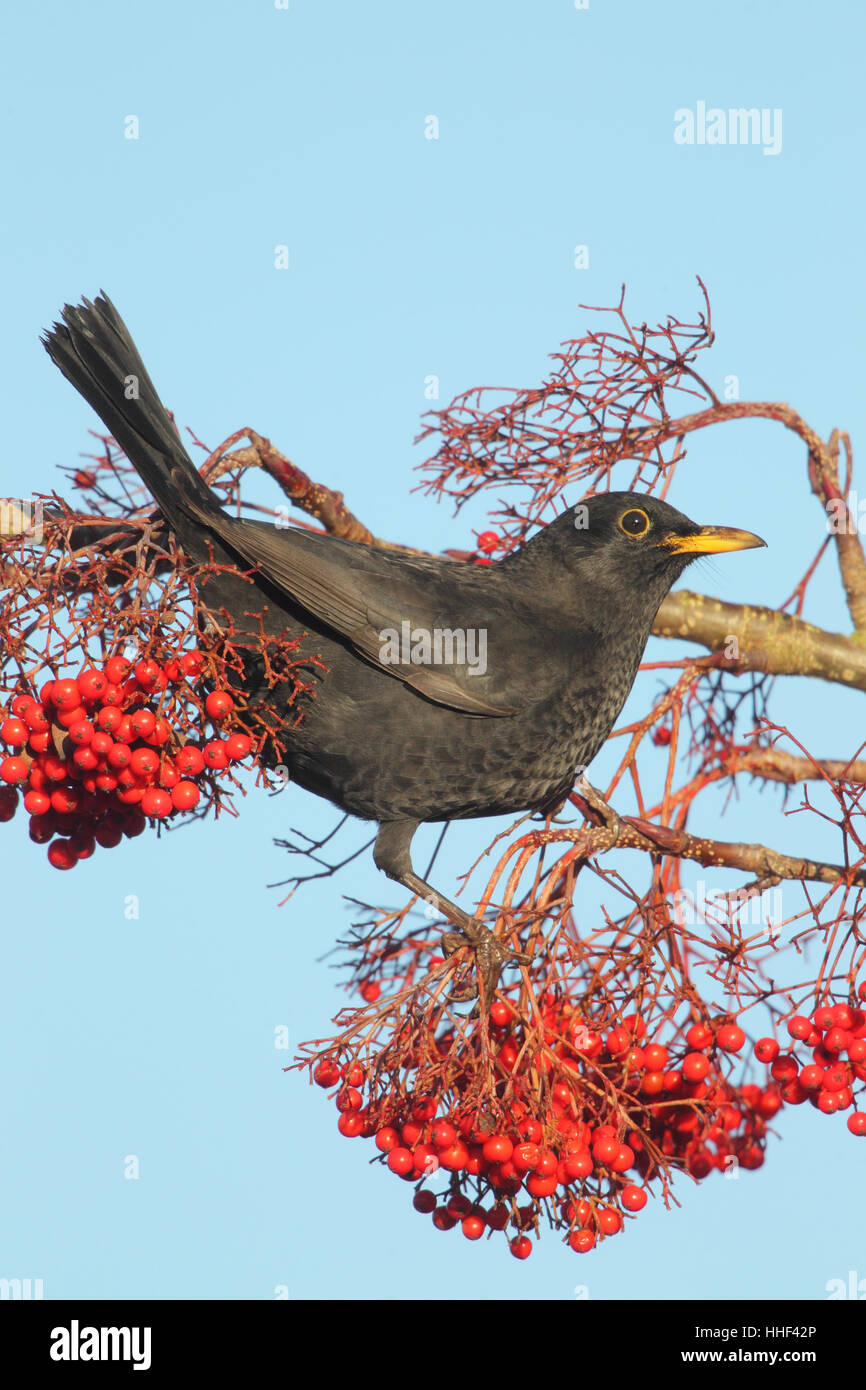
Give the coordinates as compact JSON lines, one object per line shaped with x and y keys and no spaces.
{"x":634,"y":523}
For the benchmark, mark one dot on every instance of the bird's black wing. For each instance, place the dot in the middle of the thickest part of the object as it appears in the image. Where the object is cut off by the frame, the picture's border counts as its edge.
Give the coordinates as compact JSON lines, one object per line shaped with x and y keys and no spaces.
{"x":366,"y":594}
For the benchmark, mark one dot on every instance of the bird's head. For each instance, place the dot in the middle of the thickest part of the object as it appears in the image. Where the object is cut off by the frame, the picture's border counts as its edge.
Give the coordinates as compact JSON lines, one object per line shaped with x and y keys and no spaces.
{"x":628,"y":544}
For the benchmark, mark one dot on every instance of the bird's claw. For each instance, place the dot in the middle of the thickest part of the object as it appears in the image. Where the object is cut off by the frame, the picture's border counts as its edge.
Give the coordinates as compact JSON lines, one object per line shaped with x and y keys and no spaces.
{"x":491,"y":956}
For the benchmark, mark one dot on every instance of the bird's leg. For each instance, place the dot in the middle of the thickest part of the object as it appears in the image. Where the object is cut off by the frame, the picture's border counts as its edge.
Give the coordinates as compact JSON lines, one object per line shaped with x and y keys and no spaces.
{"x":392,"y":854}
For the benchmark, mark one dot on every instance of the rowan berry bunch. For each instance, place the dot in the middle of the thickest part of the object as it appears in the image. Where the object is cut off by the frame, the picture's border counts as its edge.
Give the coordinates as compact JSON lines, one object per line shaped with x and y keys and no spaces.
{"x":97,"y":744}
{"x":835,"y":1036}
{"x":584,"y":1118}
{"x":96,"y":755}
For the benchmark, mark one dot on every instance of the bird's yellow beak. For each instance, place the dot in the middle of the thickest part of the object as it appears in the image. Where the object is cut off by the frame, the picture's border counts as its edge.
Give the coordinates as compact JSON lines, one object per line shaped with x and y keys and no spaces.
{"x":711,"y":540}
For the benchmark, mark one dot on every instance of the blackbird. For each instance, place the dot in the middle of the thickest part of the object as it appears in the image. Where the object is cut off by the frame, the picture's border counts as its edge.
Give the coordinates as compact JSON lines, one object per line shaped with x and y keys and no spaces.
{"x":451,"y":691}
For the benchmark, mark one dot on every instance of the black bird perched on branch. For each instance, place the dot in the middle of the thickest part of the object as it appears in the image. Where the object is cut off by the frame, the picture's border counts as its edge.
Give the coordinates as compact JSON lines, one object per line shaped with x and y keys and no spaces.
{"x":452,"y":691}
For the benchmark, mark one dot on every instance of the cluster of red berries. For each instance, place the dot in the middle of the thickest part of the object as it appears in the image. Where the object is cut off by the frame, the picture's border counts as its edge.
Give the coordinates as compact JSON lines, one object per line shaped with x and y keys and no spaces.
{"x":836,"y":1037}
{"x":98,"y":753}
{"x":588,"y":1165}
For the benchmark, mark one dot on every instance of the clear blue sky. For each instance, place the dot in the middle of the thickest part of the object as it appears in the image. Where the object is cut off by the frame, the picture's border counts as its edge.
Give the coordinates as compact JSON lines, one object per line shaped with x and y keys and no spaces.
{"x":408,"y":256}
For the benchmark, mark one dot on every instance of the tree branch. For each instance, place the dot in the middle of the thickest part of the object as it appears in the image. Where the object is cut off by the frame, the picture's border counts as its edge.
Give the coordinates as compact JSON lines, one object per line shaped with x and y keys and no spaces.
{"x":767,"y":639}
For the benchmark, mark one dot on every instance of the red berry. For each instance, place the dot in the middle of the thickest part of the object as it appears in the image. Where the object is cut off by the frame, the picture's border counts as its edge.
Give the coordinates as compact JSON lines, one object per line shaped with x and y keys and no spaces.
{"x":119,"y":755}
{"x":655,"y":1057}
{"x":799,"y":1027}
{"x":148,"y":673}
{"x":14,"y":770}
{"x":237,"y":747}
{"x":582,"y":1241}
{"x":144,"y":762}
{"x":81,"y":731}
{"x":578,"y":1164}
{"x":156,"y":802}
{"x":497,"y":1218}
{"x":766,"y":1049}
{"x":695,"y":1066}
{"x":443,"y":1220}
{"x":609,"y":1220}
{"x":784,"y":1068}
{"x":350,"y":1124}
{"x":525,"y":1157}
{"x":624,"y":1159}
{"x":185,"y":796}
{"x":521,"y":1248}
{"x":498,"y":1148}
{"x":110,"y":719}
{"x":857,"y":1123}
{"x":370,"y":991}
{"x":35,"y":719}
{"x":117,"y":668}
{"x":91,"y":684}
{"x":530,"y":1131}
{"x":811,"y":1078}
{"x":189,"y":761}
{"x":37,"y":803}
{"x":61,"y":856}
{"x":617,"y":1042}
{"x":487,"y":542}
{"x":68,"y":717}
{"x":388,"y":1139}
{"x":443,"y":1135}
{"x":605,"y":1150}
{"x":108,"y":835}
{"x":42,"y":828}
{"x":143,"y":722}
{"x":455,"y":1157}
{"x":219,"y":704}
{"x":472,"y":1227}
{"x":14,"y":732}
{"x":731,"y":1037}
{"x":160,"y":733}
{"x":327,"y":1073}
{"x":65,"y":694}
{"x":192,"y":664}
{"x":633,"y":1198}
{"x":540,"y":1186}
{"x":424,"y":1202}
{"x":699,"y":1036}
{"x":168,"y":775}
{"x":214,"y":754}
{"x":400,"y":1161}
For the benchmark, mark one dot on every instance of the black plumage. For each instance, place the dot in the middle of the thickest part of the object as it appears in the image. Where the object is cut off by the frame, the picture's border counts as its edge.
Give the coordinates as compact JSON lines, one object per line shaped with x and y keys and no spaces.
{"x":400,"y":731}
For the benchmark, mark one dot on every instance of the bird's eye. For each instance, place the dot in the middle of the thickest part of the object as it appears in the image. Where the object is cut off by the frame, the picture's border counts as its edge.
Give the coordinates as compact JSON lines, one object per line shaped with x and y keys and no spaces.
{"x":634,"y":522}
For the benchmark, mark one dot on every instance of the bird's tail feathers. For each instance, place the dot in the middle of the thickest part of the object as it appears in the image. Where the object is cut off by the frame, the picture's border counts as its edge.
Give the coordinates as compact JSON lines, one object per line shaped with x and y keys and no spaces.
{"x":94,"y":350}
